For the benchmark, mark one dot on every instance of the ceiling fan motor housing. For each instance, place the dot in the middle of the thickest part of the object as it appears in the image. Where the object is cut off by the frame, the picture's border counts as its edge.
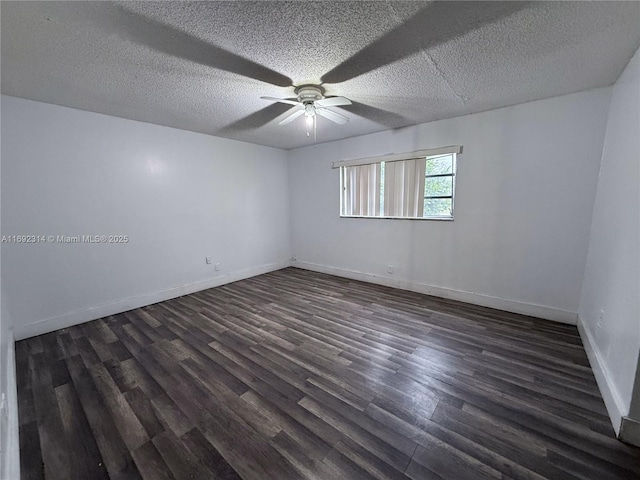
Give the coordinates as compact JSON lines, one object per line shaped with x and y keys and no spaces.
{"x":309,"y":93}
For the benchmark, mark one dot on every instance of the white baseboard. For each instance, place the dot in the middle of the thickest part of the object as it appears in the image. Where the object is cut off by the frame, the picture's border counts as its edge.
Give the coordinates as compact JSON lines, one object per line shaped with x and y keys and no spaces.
{"x":92,"y":313}
{"x":612,"y":399}
{"x":10,"y":448}
{"x":513,"y":306}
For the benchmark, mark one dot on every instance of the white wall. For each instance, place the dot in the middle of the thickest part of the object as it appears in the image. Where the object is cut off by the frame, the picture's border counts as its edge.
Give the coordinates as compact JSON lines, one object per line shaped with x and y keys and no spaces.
{"x":612,"y":277}
{"x":179,"y":196}
{"x":524,"y":196}
{"x":9,"y":440}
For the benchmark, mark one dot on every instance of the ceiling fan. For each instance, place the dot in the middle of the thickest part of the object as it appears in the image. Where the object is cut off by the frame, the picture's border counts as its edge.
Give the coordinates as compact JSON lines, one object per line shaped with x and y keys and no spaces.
{"x":312,"y":101}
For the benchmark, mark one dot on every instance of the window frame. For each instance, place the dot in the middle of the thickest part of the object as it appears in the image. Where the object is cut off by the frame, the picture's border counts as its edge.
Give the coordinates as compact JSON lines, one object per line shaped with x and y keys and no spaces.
{"x":453,"y":186}
{"x":454,"y":151}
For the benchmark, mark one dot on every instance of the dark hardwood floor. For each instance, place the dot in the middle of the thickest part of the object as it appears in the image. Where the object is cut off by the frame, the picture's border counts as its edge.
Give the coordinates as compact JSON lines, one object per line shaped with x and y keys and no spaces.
{"x":296,"y":375}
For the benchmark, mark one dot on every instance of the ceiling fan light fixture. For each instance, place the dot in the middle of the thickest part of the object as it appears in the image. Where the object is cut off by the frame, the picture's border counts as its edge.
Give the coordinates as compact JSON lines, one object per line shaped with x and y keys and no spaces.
{"x":310,"y":115}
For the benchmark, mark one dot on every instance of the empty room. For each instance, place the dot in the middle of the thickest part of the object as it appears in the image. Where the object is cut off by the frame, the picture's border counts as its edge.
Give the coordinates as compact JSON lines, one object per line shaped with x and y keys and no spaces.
{"x":305,"y":240}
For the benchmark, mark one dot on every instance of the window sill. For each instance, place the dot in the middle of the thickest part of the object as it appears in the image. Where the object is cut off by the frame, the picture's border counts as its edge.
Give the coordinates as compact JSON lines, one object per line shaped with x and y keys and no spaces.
{"x":446,"y":219}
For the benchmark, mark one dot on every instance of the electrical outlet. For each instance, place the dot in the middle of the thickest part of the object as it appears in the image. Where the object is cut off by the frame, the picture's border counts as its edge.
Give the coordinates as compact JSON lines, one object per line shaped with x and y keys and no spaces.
{"x":600,"y":318}
{"x":390,"y":269}
{"x":217,"y":267}
{"x":207,"y":260}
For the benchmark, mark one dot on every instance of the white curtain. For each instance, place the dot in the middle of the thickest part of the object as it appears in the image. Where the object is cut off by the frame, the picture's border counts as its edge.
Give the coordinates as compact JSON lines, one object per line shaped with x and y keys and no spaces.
{"x":404,"y":188}
{"x":361,"y":190}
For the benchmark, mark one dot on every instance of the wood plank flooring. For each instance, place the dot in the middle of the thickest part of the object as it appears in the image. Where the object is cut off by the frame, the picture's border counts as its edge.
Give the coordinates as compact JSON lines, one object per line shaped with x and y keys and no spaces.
{"x":299,"y":375}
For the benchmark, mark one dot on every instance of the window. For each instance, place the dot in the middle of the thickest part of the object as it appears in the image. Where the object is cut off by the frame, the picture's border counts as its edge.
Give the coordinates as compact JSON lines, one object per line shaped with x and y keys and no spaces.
{"x":439,"y":185}
{"x":418,"y":185}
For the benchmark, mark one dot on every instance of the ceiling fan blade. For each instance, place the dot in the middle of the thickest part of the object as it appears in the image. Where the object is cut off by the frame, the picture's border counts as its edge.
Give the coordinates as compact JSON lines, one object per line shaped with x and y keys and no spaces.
{"x":292,"y":117}
{"x":333,"y":116}
{"x":281,"y":100}
{"x":172,"y":41}
{"x":378,"y":115}
{"x":332,"y":102}
{"x":429,"y":27}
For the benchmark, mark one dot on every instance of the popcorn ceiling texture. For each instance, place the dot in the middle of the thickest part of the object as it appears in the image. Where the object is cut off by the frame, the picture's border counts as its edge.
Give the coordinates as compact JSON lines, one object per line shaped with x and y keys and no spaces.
{"x":202,"y":66}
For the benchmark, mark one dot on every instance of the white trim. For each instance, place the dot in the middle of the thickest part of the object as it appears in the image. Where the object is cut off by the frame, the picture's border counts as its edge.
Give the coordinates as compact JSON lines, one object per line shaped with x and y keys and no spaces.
{"x":76,"y":317}
{"x":10,"y":451}
{"x":514,"y":306}
{"x":397,"y":157}
{"x":612,"y":399}
{"x":399,"y":218}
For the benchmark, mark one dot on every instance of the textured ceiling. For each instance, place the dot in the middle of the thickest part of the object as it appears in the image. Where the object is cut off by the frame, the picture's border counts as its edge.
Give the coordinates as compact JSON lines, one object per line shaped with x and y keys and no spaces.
{"x":203,"y":66}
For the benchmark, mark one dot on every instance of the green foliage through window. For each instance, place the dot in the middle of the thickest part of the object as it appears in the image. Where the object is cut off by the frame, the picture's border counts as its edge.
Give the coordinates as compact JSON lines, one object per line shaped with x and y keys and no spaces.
{"x":438,"y":186}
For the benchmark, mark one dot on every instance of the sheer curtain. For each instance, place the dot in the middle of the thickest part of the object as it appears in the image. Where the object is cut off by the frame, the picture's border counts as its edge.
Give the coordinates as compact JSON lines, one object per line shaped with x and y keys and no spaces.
{"x":361,"y":190}
{"x":404,"y":188}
